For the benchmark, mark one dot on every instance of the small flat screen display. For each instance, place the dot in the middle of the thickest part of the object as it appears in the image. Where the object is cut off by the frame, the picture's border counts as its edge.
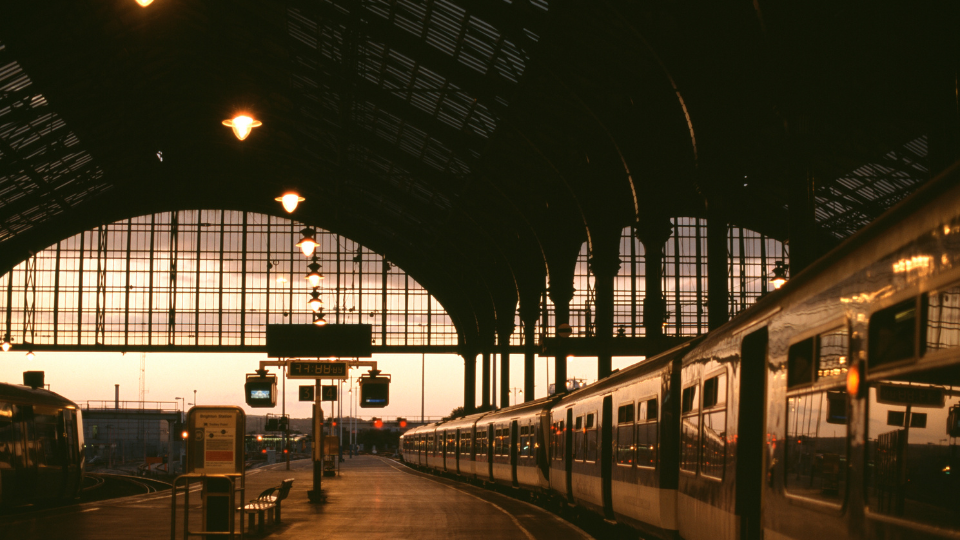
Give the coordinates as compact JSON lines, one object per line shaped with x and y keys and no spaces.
{"x":259,"y":394}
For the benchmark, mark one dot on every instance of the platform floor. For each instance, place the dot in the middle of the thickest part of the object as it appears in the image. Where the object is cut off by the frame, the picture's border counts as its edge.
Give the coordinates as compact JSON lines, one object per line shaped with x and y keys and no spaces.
{"x":373,"y":498}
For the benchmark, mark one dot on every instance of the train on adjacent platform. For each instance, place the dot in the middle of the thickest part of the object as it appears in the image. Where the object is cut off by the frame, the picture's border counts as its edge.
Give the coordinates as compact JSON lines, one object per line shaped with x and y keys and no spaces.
{"x":41,"y":447}
{"x":830,"y":409}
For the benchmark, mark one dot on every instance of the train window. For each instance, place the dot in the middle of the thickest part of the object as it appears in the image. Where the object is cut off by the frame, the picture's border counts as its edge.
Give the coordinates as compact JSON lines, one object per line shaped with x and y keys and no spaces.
{"x":715,"y":391}
{"x":816,"y":446}
{"x":800,"y":363}
{"x":9,"y":437}
{"x":625,"y":447}
{"x":647,"y":434}
{"x":893,"y":333}
{"x":526,"y":442}
{"x":556,"y":448}
{"x":943,"y":319}
{"x":913,"y":462}
{"x":832,"y":350}
{"x":689,"y":399}
{"x":579,"y":452}
{"x":45,"y":437}
{"x":625,"y":413}
{"x":591,"y":438}
{"x":689,"y":429}
{"x":714,"y":434}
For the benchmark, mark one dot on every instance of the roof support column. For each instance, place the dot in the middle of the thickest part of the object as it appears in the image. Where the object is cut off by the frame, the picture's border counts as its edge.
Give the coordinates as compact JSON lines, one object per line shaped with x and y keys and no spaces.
{"x":561,"y":292}
{"x":503,"y":337}
{"x":605,"y":265}
{"x":469,"y":382}
{"x":718,"y":305}
{"x":529,"y":313}
{"x":653,"y":233}
{"x":803,"y":224}
{"x":485,"y":401}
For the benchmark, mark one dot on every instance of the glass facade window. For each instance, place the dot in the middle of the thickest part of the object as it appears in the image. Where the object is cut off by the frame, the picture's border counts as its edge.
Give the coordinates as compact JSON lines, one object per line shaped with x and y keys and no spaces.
{"x":208,"y":278}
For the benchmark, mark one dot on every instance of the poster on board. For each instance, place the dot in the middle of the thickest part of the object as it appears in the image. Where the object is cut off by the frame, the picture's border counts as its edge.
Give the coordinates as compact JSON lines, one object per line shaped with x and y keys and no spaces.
{"x":216,"y":440}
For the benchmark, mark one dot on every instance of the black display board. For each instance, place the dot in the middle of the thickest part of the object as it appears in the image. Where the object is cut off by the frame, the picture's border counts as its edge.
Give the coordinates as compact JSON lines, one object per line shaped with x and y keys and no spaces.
{"x":311,"y":341}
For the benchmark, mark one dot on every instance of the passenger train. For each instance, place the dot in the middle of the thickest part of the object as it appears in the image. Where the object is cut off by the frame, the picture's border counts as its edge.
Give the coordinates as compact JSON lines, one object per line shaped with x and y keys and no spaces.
{"x":830,"y":409}
{"x":41,"y":447}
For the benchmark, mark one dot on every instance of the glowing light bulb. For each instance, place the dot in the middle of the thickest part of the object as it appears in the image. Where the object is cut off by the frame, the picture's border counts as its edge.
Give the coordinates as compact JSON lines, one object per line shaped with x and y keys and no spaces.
{"x":315,"y":303}
{"x":242,"y":125}
{"x":31,"y":356}
{"x":290,"y":201}
{"x":5,"y":346}
{"x":144,"y":3}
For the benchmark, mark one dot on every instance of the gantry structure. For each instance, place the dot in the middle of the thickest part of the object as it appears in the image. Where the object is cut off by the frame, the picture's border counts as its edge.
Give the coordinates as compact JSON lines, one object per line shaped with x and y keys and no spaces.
{"x":482,"y":172}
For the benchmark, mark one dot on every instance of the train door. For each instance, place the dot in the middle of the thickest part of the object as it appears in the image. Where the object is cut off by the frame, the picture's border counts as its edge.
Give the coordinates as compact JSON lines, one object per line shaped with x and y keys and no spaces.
{"x":457,"y":445}
{"x":490,"y":451}
{"x":606,"y":456}
{"x":514,"y":446}
{"x":750,"y":429}
{"x":568,"y":453}
{"x":70,"y":452}
{"x":26,"y":478}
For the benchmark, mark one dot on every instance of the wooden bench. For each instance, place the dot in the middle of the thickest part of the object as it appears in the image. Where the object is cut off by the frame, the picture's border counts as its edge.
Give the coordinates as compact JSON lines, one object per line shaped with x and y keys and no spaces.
{"x":270,"y":499}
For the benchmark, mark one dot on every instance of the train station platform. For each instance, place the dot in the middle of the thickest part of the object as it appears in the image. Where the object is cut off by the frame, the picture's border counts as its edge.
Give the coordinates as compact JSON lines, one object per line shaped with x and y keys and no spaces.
{"x":373,"y":498}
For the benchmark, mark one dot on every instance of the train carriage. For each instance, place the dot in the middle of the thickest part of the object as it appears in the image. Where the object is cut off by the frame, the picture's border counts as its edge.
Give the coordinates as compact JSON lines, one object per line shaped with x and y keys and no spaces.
{"x":41,"y":446}
{"x":830,"y":409}
{"x":519,"y":453}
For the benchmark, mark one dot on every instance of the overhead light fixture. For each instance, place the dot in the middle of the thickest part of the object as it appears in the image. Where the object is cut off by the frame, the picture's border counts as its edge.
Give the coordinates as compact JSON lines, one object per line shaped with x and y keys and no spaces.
{"x":314,"y":277}
{"x":31,"y":356}
{"x":779,"y":275}
{"x":281,"y":279}
{"x":6,"y":344}
{"x":242,"y":125}
{"x":318,"y":319}
{"x":307,"y":244}
{"x":315,"y":303}
{"x":144,"y":3}
{"x":290,"y":201}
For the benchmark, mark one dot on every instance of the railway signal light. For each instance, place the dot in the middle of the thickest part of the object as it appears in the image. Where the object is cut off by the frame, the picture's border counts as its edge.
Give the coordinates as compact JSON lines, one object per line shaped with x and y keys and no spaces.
{"x":184,"y":434}
{"x":378,"y":423}
{"x":402,"y":422}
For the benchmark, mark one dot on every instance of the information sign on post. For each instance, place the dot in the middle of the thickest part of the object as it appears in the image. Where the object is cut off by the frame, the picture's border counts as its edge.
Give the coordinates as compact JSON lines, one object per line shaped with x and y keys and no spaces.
{"x":215,"y":443}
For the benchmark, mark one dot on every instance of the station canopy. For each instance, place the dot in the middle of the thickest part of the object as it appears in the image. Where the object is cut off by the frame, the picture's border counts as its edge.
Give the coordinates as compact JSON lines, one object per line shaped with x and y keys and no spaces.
{"x":477,"y":144}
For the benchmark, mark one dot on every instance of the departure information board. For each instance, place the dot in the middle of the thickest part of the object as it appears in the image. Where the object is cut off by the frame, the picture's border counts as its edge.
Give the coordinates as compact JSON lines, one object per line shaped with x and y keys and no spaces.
{"x":316,"y":370}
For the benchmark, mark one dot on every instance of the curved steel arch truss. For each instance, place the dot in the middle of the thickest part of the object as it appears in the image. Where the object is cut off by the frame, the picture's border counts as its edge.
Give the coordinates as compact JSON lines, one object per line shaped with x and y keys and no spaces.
{"x":208,"y":280}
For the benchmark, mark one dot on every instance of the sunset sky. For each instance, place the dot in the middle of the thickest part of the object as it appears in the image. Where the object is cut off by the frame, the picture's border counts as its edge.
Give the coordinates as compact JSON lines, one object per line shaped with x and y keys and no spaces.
{"x":219,"y":378}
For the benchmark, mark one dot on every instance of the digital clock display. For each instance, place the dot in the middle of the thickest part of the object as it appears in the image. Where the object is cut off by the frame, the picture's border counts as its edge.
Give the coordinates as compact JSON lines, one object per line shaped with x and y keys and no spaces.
{"x":317,"y":370}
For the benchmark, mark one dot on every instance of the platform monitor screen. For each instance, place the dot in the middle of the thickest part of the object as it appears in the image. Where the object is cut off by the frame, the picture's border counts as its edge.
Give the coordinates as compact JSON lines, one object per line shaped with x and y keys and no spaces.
{"x":259,"y":394}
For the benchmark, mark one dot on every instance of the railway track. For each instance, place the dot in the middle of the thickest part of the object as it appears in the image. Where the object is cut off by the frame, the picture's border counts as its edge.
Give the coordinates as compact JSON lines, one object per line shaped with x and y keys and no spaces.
{"x":102,"y":486}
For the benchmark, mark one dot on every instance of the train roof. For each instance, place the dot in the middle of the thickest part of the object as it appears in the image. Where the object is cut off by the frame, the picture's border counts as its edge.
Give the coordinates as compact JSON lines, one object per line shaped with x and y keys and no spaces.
{"x":927,"y":206}
{"x":16,"y":393}
{"x":652,"y":364}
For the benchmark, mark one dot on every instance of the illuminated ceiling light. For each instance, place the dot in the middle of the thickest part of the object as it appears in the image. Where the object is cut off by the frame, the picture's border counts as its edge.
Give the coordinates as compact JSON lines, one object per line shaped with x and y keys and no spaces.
{"x":242,"y":125}
{"x":779,"y":275}
{"x":281,"y":279}
{"x":315,"y":303}
{"x":290,"y":201}
{"x":6,"y":345}
{"x":318,"y":319}
{"x":144,"y":3}
{"x":31,"y":356}
{"x":307,"y":244}
{"x":314,"y":277}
